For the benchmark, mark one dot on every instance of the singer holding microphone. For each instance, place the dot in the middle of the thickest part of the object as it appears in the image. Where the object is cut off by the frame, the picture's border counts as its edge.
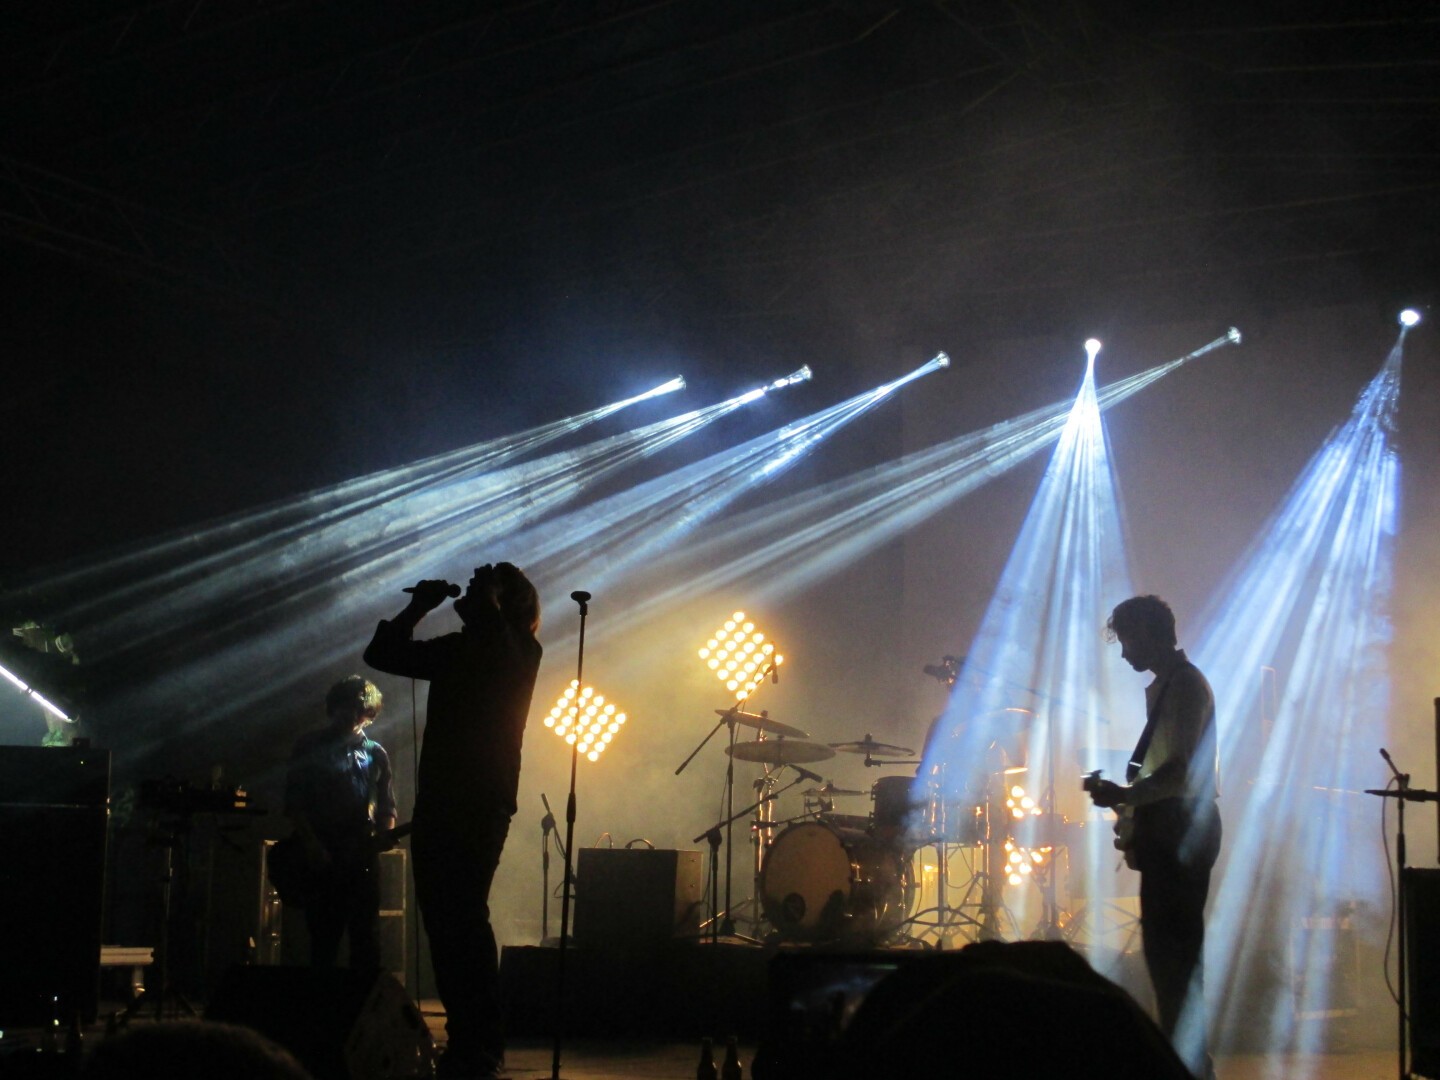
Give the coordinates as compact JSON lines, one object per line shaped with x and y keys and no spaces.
{"x":481,"y":681}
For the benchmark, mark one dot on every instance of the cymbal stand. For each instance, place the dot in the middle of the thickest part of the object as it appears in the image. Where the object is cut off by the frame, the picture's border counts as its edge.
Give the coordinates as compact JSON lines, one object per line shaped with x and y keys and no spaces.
{"x":727,"y":923}
{"x":728,"y":719}
{"x":760,"y":838}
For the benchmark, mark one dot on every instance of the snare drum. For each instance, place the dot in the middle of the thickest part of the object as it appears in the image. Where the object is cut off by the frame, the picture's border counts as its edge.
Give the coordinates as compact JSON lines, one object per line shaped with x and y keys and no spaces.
{"x":822,"y":883}
{"x":950,"y":821}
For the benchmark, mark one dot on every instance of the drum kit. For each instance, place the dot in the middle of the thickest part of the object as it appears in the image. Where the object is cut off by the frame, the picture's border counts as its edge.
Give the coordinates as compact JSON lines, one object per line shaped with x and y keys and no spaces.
{"x":825,"y":875}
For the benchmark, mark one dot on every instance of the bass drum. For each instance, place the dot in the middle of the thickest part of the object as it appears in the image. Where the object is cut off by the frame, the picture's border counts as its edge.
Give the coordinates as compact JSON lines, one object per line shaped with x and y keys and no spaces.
{"x":822,"y":883}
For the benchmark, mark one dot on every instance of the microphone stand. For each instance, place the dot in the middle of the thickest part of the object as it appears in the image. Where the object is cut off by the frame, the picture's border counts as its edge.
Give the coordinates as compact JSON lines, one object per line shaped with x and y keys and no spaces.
{"x":1402,"y":794}
{"x":583,"y":599}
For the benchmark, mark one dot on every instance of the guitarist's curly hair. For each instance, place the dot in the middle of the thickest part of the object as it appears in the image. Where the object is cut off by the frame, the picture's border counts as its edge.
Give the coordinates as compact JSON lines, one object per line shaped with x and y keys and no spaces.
{"x":1147,"y":612}
{"x":354,"y":692}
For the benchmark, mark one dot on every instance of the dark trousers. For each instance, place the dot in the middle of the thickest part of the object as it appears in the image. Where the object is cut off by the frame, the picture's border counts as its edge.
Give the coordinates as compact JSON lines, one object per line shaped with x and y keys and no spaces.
{"x":455,"y":856}
{"x":346,"y":899}
{"x":1175,"y":858}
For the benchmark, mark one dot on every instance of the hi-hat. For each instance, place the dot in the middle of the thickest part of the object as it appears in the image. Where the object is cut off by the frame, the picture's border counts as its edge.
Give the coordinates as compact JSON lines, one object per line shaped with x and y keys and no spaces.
{"x":779,"y":751}
{"x":762,"y":722}
{"x":869,"y":746}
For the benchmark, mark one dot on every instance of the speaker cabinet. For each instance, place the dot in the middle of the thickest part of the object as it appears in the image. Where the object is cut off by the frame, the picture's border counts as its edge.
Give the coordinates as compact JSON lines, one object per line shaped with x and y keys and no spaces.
{"x":340,"y":1024}
{"x":634,"y":897}
{"x":282,"y":937}
{"x":1422,"y":945}
{"x":54,"y":806}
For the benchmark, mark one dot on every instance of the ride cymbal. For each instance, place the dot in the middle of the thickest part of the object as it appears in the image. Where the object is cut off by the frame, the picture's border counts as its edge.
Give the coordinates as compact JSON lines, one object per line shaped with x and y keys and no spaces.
{"x":869,"y":746}
{"x":779,"y":751}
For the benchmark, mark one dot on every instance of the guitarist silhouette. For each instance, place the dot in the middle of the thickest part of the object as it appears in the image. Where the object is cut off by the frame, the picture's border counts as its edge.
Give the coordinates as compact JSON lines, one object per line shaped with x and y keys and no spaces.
{"x":1169,"y":827}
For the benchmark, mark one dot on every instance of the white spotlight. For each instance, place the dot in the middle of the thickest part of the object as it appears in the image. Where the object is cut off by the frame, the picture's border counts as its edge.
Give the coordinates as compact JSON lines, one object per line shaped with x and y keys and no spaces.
{"x":1234,"y":335}
{"x":802,"y":375}
{"x":1409,"y":317}
{"x":1092,"y":347}
{"x":942,"y":359}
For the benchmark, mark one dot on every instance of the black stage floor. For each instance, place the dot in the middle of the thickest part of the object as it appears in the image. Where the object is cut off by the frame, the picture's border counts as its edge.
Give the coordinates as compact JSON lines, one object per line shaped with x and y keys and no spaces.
{"x":644,"y":1013}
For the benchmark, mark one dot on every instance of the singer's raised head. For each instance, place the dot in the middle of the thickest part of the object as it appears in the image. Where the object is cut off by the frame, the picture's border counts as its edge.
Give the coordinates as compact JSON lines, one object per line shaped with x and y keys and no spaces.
{"x":506,"y":585}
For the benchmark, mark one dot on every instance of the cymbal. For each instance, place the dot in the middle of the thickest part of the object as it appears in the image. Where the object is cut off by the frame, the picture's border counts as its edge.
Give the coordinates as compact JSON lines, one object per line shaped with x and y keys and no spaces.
{"x":829,"y":791}
{"x":779,"y":751}
{"x":761,"y":722}
{"x":869,"y":746}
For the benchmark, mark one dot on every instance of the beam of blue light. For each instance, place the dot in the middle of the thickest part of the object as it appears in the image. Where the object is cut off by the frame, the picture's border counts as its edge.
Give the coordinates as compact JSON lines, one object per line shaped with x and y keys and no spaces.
{"x":255,"y":611}
{"x":1039,"y":646}
{"x":1309,"y":608}
{"x":631,"y":528}
{"x":158,"y":566}
{"x":779,"y":550}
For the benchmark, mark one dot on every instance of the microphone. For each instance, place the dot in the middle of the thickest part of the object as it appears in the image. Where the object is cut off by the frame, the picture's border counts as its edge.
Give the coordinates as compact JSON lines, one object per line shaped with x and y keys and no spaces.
{"x":1404,"y":778}
{"x":807,"y":774}
{"x":580,"y":596}
{"x":451,"y":589}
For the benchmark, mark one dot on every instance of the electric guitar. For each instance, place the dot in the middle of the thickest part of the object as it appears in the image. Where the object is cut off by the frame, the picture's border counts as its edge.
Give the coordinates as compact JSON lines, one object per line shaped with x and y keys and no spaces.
{"x":289,"y":869}
{"x":1124,"y":824}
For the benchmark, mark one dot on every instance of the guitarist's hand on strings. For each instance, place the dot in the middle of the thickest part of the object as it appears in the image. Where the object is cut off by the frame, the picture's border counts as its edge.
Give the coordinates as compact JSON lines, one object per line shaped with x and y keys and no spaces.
{"x":1106,"y":794}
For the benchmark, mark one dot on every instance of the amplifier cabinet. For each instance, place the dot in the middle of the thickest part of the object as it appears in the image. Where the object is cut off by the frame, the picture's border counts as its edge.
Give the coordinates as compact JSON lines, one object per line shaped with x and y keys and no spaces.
{"x":634,"y":897}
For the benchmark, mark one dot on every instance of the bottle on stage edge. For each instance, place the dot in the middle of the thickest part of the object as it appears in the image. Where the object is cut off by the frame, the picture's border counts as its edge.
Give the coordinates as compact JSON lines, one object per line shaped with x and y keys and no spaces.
{"x":706,"y":1070}
{"x":731,"y":1069}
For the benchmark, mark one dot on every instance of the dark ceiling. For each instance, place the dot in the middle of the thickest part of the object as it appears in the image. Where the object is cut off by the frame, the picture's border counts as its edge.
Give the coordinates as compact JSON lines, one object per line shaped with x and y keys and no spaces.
{"x":728,"y":158}
{"x":198,"y":193}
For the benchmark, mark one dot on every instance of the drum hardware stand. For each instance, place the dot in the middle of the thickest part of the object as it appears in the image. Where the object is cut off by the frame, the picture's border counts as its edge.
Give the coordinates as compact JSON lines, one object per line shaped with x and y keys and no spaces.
{"x":727,"y":719}
{"x":991,"y":882}
{"x":1049,"y":928}
{"x":724,"y":920}
{"x":948,"y":919}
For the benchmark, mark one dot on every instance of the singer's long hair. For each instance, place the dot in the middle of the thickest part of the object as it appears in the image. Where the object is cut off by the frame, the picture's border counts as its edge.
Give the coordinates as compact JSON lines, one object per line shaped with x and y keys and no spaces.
{"x":519,"y":602}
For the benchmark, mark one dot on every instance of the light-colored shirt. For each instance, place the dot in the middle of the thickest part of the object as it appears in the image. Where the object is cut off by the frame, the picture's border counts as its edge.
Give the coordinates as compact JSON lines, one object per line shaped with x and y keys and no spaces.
{"x":1180,"y":761}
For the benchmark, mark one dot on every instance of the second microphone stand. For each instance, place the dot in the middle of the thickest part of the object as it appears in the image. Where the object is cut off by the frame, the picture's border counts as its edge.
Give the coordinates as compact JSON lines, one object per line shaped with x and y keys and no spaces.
{"x":583,"y":599}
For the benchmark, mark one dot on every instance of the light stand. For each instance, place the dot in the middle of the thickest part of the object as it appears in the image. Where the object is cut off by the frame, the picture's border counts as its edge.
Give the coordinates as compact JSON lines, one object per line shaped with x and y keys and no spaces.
{"x":582,"y":598}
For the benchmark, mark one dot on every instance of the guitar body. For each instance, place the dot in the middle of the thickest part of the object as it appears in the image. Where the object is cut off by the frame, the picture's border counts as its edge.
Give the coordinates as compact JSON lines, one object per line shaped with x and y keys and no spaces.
{"x":1125,"y":820}
{"x":1125,"y":834}
{"x":290,"y":871}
